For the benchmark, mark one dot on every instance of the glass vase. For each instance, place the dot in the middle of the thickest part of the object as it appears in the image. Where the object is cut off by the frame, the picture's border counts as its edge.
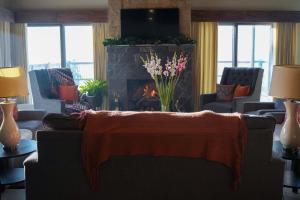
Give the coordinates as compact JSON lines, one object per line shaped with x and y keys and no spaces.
{"x":165,"y":108}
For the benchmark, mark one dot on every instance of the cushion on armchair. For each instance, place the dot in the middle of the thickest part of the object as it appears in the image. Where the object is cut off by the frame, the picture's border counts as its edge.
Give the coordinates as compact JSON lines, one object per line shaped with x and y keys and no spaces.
{"x":225,"y":92}
{"x":241,"y":91}
{"x":68,"y":92}
{"x":59,"y":77}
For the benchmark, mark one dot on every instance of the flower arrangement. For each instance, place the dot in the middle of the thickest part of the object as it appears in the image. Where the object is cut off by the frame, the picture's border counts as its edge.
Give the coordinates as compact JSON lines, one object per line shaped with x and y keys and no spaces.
{"x":165,"y":76}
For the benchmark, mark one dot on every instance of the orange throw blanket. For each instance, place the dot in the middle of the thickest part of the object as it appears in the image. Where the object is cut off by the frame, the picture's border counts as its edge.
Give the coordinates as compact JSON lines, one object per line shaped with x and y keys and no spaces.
{"x":208,"y":135}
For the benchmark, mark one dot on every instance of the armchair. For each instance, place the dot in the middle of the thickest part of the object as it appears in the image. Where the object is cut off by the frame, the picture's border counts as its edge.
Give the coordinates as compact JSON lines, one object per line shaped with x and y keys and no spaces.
{"x":230,"y":76}
{"x":41,"y":87}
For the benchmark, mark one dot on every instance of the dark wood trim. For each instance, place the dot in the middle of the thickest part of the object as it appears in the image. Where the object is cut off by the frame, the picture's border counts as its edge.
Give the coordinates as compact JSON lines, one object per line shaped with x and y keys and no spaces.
{"x":77,"y":16}
{"x":245,"y":16}
{"x":6,"y":15}
{"x":70,"y":16}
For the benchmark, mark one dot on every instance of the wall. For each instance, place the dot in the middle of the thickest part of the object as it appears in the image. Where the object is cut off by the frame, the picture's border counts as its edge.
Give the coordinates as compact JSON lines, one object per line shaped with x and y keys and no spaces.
{"x":115,"y":6}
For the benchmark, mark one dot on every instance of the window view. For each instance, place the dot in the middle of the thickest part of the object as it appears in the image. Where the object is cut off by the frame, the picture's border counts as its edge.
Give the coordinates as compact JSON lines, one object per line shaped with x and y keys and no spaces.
{"x":225,"y":48}
{"x":254,"y":49}
{"x":79,"y":52}
{"x":45,"y":50}
{"x":43,"y":47}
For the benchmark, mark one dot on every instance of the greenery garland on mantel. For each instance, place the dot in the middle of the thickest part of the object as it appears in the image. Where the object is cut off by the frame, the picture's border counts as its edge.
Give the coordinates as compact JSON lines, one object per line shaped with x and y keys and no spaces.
{"x":178,"y":40}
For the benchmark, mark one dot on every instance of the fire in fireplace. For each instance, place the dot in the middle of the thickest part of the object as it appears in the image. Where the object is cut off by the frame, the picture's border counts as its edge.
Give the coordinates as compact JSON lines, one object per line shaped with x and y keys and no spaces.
{"x":142,"y":95}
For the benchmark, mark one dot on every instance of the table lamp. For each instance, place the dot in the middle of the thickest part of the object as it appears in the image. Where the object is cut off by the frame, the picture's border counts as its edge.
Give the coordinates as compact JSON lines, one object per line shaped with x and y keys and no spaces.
{"x":285,"y":84}
{"x":13,"y":83}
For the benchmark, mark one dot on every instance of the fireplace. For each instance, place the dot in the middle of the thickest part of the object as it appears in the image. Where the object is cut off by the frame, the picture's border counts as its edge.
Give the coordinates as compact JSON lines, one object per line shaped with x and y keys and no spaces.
{"x":142,"y":95}
{"x":131,"y":86}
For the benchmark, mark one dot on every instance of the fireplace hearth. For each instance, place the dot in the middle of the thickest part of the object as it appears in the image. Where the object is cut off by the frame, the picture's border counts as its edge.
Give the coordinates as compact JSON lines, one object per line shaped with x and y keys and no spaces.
{"x":129,"y":80}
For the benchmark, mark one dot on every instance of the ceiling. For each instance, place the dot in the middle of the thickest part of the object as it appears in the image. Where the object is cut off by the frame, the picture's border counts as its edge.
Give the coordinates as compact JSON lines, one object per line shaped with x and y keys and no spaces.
{"x":196,"y":4}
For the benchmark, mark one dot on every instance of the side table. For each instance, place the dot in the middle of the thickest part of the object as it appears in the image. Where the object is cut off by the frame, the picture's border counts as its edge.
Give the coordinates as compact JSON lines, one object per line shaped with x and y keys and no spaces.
{"x":292,"y":170}
{"x":10,"y":176}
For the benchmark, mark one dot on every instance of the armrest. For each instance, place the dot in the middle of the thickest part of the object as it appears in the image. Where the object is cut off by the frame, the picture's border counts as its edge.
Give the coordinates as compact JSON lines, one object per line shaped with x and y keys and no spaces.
{"x":53,"y":105}
{"x":30,"y":160}
{"x":26,"y":115}
{"x":253,"y":106}
{"x":207,"y":98}
{"x":278,"y":116}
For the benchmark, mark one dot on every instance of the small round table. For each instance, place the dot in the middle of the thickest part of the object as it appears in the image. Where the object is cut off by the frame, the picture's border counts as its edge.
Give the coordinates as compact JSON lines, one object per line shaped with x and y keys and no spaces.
{"x":10,"y":176}
{"x":291,"y":175}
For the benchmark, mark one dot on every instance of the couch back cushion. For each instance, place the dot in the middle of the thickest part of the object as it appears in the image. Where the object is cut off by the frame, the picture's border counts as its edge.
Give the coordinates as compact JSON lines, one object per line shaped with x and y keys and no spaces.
{"x":240,"y":75}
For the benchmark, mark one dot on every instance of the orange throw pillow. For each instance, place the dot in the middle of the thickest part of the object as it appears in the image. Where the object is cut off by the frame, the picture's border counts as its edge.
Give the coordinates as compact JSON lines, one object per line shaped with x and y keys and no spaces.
{"x":241,"y":91}
{"x":68,"y":92}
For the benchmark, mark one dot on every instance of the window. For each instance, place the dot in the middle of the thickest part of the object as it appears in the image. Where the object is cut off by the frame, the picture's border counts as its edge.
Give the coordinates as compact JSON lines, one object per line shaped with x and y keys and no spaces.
{"x":62,"y":46}
{"x":225,"y":48}
{"x":246,"y":46}
{"x":43,"y":47}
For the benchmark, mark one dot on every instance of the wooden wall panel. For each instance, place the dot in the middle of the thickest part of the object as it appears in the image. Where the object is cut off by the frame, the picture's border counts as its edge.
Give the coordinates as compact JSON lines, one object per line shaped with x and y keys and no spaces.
{"x":245,"y":16}
{"x":75,"y":16}
{"x":102,"y":16}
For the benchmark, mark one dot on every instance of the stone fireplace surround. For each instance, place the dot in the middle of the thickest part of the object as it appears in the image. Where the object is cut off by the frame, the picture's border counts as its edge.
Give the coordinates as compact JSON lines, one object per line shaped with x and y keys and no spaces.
{"x":125,"y":65}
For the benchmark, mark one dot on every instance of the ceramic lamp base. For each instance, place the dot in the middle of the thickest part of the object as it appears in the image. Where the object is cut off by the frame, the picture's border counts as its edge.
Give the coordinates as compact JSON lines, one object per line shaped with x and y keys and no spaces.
{"x":9,"y":131}
{"x":290,"y":133}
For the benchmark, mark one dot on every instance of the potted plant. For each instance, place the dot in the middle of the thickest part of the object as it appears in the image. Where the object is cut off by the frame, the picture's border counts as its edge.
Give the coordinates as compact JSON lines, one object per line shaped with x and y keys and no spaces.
{"x":94,"y":91}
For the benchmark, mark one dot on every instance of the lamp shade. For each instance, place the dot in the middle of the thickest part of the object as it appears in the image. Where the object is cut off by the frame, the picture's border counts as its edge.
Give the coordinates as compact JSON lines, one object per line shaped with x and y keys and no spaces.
{"x":13,"y":82}
{"x":285,"y":82}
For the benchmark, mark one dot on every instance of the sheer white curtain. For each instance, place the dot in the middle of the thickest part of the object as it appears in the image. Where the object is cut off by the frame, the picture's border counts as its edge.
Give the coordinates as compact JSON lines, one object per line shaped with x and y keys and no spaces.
{"x":5,"y":44}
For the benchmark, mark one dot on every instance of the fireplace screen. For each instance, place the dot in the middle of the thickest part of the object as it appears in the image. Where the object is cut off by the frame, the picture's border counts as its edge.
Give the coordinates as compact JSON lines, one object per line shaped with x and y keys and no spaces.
{"x":142,"y":95}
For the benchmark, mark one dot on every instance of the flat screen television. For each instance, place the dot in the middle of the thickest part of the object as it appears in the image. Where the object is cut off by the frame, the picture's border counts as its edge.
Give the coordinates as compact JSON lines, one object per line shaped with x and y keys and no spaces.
{"x":149,"y":23}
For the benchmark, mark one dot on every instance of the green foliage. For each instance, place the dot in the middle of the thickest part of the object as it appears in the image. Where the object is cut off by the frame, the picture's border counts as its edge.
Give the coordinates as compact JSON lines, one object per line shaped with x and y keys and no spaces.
{"x":93,"y":87}
{"x":178,"y":40}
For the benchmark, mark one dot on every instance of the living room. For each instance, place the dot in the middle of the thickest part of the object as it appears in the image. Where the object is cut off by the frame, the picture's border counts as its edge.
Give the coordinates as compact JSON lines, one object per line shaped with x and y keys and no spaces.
{"x":145,"y":61}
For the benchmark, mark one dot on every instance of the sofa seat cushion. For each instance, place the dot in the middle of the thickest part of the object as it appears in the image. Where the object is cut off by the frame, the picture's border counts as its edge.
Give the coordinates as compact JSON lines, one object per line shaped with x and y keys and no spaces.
{"x":219,"y":106}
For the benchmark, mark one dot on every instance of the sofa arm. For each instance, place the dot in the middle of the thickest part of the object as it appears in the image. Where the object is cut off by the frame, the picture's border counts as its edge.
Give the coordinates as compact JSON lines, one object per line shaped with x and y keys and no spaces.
{"x":26,"y":115}
{"x":239,"y":103}
{"x":278,"y":116}
{"x":207,"y":98}
{"x":52,"y":105}
{"x":253,"y":106}
{"x":31,"y":160}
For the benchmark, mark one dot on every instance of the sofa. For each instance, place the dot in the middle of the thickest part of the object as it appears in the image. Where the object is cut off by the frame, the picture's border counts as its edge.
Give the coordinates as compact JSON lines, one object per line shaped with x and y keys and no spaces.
{"x":31,"y":120}
{"x":55,"y":172}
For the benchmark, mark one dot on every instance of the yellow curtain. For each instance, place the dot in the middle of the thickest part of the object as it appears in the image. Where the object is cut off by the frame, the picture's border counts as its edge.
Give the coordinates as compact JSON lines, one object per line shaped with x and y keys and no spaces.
{"x":285,"y":45}
{"x":100,"y":32}
{"x":205,"y":68}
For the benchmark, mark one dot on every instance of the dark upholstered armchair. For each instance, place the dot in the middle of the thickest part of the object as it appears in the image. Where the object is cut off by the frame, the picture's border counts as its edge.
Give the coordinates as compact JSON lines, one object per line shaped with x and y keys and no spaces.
{"x":234,"y":76}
